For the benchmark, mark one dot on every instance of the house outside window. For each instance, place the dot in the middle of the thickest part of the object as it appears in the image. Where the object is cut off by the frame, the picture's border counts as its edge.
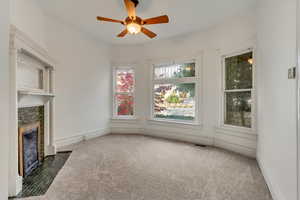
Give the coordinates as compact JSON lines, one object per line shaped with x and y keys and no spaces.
{"x":238,"y":90}
{"x":124,"y":88}
{"x":174,"y":96}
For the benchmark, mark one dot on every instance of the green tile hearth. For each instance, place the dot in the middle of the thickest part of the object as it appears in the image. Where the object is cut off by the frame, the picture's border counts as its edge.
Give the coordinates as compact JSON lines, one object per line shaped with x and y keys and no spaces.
{"x":38,"y":182}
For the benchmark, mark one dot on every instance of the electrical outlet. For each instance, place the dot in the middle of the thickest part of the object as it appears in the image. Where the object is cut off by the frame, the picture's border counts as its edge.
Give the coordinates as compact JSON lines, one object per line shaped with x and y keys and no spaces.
{"x":292,"y":73}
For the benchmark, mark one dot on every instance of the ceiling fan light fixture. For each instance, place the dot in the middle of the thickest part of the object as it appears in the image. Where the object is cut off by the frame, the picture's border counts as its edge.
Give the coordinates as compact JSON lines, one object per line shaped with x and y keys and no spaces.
{"x":133,"y":28}
{"x":134,"y":24}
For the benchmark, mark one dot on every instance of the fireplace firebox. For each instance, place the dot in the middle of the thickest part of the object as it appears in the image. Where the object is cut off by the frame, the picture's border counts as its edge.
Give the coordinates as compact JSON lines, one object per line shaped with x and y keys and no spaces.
{"x":29,"y":148}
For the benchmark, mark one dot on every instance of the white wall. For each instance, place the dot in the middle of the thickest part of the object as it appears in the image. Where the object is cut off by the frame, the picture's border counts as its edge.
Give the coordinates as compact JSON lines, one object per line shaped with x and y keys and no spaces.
{"x":238,"y":33}
{"x":29,"y":18}
{"x":277,"y":96}
{"x":83,"y":80}
{"x":4,"y":97}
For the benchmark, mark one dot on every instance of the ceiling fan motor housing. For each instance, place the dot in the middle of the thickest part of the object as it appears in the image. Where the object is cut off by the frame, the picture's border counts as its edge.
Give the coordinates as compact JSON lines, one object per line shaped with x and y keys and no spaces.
{"x":136,"y":2}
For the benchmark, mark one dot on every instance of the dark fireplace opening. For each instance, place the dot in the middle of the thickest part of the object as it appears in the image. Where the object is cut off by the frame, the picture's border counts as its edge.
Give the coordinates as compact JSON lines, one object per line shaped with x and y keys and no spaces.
{"x":30,"y":148}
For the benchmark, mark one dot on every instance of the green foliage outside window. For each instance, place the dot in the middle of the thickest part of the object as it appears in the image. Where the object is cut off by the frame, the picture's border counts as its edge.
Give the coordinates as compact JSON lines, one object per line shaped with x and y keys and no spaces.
{"x":238,"y":75}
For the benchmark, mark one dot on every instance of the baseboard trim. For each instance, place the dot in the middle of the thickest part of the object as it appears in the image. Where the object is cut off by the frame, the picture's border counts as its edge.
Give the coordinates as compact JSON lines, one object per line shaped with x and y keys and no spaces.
{"x":50,"y":150}
{"x":126,"y":130}
{"x":237,"y":148}
{"x":276,"y":195}
{"x":184,"y":137}
{"x":81,"y":137}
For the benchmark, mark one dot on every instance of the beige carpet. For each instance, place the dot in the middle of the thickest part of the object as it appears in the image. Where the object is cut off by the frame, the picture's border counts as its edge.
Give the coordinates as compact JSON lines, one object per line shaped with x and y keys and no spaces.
{"x":132,"y":167}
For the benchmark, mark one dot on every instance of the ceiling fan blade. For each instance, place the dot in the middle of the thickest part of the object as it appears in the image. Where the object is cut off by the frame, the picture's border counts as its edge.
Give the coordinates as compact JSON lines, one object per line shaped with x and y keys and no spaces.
{"x":109,"y":20}
{"x":157,"y":20}
{"x":123,"y":33}
{"x":130,"y":8}
{"x":149,"y":33}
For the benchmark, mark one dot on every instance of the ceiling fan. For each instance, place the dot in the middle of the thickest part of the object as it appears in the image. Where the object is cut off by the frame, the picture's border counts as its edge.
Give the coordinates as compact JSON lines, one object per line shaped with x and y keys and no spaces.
{"x":135,"y":24}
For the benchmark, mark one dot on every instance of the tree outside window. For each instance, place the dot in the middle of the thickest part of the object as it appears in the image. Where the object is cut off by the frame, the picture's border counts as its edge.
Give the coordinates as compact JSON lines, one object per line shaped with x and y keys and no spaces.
{"x":238,"y":90}
{"x":124,"y":92}
{"x":174,"y":92}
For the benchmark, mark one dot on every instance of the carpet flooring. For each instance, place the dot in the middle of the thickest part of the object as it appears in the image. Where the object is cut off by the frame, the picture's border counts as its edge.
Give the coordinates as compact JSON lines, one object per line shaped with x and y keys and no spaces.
{"x":117,"y":167}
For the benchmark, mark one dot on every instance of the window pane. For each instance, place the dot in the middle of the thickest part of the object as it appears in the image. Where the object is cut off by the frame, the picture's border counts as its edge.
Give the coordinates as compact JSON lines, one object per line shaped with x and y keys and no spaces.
{"x":125,"y":80}
{"x":238,"y":72}
{"x":174,"y":101}
{"x":238,"y":109}
{"x":175,"y":71}
{"x":125,"y":104}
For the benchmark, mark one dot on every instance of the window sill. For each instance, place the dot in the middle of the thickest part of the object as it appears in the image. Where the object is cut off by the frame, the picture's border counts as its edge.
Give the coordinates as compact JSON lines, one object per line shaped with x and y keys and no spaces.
{"x":124,"y":118}
{"x":174,"y":122}
{"x":242,"y":130}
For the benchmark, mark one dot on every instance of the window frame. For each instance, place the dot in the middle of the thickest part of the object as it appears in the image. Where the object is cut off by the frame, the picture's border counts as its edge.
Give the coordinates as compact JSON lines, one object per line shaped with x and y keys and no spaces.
{"x":114,"y":93}
{"x":198,"y":89}
{"x":251,"y":129}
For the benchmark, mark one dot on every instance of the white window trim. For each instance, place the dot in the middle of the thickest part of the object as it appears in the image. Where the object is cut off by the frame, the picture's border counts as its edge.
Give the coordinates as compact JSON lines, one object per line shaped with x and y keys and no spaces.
{"x":198,"y":90}
{"x":222,"y":125}
{"x":114,"y":92}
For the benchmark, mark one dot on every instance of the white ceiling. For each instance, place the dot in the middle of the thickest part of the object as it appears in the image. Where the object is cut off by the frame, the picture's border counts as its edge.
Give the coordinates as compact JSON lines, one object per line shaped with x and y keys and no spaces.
{"x":186,"y":16}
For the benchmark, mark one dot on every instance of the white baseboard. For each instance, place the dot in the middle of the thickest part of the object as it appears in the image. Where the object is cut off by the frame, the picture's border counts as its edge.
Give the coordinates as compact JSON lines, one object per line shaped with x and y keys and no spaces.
{"x":50,"y":150}
{"x":237,"y":148}
{"x":17,"y":188}
{"x":276,"y":195}
{"x":184,"y":137}
{"x":244,"y":143}
{"x":126,"y":130}
{"x":81,"y":137}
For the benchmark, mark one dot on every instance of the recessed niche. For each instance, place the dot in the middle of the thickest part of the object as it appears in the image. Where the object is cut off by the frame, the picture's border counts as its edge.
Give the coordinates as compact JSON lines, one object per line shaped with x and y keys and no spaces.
{"x":31,"y":73}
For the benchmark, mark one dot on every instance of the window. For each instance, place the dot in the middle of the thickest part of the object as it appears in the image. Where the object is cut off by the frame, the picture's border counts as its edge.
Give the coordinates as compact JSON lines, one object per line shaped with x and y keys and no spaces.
{"x":124,"y":92}
{"x":238,"y":90}
{"x":174,"y":92}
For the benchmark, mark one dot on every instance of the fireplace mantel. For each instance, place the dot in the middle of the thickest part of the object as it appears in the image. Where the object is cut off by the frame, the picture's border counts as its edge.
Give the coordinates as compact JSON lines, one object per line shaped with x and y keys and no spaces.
{"x":32,"y":84}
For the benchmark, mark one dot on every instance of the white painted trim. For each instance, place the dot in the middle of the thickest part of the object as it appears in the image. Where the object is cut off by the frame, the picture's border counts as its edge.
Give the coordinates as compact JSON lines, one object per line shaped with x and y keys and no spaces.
{"x":185,"y":137}
{"x":20,"y":43}
{"x":126,"y":130}
{"x":170,"y":121}
{"x":240,"y":149}
{"x":275,"y":192}
{"x":61,"y":142}
{"x":31,"y":46}
{"x":237,"y":141}
{"x":243,"y":132}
